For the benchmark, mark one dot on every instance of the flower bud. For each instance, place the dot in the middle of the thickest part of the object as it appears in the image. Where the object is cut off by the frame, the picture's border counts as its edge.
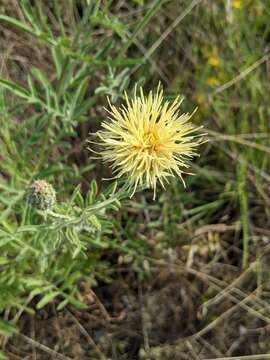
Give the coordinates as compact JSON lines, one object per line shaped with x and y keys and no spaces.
{"x":41,"y":195}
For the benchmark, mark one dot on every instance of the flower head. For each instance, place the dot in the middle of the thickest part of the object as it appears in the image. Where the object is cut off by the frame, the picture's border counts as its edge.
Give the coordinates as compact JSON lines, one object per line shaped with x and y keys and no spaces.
{"x":147,"y":140}
{"x":237,"y":4}
{"x":41,"y":195}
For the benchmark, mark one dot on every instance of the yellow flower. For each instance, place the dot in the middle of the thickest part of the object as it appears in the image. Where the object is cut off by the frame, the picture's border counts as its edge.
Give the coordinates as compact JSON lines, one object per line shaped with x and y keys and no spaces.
{"x":237,"y":4}
{"x":212,"y":81}
{"x":213,"y":61}
{"x":147,"y":140}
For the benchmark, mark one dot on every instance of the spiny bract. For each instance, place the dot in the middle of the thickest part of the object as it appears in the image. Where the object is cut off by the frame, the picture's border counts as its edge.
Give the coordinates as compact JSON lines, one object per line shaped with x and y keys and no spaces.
{"x":148,"y":140}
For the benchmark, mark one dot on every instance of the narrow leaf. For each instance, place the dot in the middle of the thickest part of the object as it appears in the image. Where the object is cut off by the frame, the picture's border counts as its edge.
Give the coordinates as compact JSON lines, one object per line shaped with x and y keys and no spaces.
{"x":15,"y":88}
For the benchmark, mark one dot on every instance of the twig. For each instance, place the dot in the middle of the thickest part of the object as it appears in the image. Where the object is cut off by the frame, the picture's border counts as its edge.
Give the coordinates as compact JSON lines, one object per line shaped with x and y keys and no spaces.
{"x":245,"y":357}
{"x":192,"y":351}
{"x":85,"y":333}
{"x":101,"y":306}
{"x":242,"y":75}
{"x":43,"y":347}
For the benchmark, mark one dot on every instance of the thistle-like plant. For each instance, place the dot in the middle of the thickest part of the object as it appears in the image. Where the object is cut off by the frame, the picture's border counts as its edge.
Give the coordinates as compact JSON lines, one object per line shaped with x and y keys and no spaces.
{"x":148,"y":140}
{"x":41,"y":195}
{"x":56,"y":240}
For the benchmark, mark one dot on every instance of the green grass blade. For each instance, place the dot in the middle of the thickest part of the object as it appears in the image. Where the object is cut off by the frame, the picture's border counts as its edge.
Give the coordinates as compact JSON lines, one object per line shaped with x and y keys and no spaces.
{"x":243,"y":203}
{"x":153,"y":10}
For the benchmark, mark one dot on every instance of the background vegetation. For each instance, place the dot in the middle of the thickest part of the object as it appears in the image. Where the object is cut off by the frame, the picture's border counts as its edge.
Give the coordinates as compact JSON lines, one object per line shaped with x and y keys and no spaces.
{"x":183,"y":277}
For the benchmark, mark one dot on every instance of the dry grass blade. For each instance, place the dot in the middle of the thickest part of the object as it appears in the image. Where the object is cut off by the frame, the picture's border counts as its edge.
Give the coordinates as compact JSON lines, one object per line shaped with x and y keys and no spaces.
{"x":220,"y":318}
{"x":44,"y":348}
{"x":245,"y":357}
{"x":167,"y":32}
{"x":85,"y":333}
{"x":238,"y":139}
{"x":242,"y":75}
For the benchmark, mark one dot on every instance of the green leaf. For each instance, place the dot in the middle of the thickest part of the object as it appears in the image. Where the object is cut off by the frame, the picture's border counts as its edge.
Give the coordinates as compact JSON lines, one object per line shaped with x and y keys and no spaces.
{"x":6,"y":329}
{"x":101,"y":18}
{"x":40,"y":290}
{"x":25,"y":28}
{"x":77,"y":303}
{"x":92,"y":193}
{"x":78,"y":97}
{"x":31,"y":86}
{"x":29,"y":228}
{"x":41,"y":77}
{"x":3,"y":260}
{"x":15,"y":88}
{"x":62,"y":304}
{"x":16,"y":23}
{"x":75,"y":195}
{"x":28,"y":12}
{"x":95,"y":222}
{"x":33,"y":282}
{"x":59,"y":60}
{"x":47,"y":299}
{"x":3,"y":356}
{"x":79,"y":200}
